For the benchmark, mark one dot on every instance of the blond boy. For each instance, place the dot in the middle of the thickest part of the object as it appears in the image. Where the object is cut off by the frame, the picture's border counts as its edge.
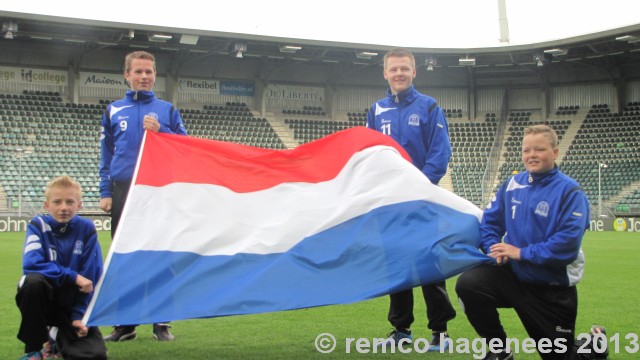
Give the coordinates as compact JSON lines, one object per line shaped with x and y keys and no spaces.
{"x":61,"y":263}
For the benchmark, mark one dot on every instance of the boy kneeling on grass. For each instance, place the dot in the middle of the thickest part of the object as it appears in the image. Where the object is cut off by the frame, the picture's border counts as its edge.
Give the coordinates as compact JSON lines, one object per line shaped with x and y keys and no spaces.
{"x":533,"y":228}
{"x":61,"y":262}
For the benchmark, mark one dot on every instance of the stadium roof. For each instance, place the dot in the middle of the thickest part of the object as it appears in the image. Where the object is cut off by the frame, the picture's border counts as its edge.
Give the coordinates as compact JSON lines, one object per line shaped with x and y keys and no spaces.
{"x":606,"y":48}
{"x":410,"y":23}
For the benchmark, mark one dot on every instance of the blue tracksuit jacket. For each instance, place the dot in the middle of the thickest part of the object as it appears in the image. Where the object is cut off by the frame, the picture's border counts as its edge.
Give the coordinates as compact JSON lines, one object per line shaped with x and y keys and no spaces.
{"x":545,"y":215}
{"x":122,"y":132}
{"x":62,"y":251}
{"x":416,"y":122}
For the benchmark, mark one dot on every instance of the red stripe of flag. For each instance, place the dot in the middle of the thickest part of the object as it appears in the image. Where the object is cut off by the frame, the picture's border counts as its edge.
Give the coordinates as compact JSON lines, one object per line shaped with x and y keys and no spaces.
{"x":245,"y":169}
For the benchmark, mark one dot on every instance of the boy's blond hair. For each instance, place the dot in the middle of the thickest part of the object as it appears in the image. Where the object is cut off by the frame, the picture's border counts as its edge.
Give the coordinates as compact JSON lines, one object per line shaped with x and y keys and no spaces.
{"x":399,"y":52}
{"x":138,"y":55}
{"x":545,"y":130}
{"x":62,"y":182}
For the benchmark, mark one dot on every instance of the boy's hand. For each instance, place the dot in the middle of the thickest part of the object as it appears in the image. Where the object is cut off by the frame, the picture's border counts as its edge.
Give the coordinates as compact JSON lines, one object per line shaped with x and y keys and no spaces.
{"x":503,"y":252}
{"x":150,"y":123}
{"x":105,"y":204}
{"x":81,"y":330}
{"x":85,"y":285}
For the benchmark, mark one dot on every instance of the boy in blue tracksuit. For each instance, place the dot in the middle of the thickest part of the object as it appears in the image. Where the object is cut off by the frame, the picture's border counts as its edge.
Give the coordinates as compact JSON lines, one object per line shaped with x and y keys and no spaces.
{"x":533,"y":228}
{"x":417,"y":123}
{"x":61,"y":262}
{"x":123,"y":126}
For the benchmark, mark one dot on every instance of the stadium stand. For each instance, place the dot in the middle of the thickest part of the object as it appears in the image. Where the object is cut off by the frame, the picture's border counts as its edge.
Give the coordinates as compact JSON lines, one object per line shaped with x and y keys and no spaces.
{"x":232,"y":122}
{"x":306,"y":111}
{"x":452,"y":113}
{"x":48,"y":129}
{"x":471,"y":145}
{"x":567,"y":110}
{"x":55,"y":138}
{"x":358,"y":117}
{"x":59,"y":137}
{"x":53,"y":92}
{"x":606,"y":138}
{"x":306,"y":130}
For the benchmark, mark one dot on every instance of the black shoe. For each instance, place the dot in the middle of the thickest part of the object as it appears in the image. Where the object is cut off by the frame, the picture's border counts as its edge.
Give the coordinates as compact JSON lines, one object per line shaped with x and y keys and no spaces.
{"x":601,"y":351}
{"x":436,"y":345}
{"x":161,"y":332}
{"x":395,"y":336}
{"x":500,"y":355}
{"x":122,"y":333}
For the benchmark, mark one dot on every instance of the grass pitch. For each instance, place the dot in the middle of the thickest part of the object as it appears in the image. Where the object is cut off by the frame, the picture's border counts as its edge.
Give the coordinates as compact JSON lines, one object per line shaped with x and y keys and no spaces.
{"x":608,"y":295}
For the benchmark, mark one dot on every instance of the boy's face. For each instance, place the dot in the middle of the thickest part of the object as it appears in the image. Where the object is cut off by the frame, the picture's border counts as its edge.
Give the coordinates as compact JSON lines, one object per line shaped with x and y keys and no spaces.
{"x":141,"y":75}
{"x":537,"y":154}
{"x":63,"y":203}
{"x":399,"y":72}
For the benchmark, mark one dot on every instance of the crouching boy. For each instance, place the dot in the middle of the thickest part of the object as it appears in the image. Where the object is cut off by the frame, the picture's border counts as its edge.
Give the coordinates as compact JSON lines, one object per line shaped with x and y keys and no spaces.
{"x":61,"y":263}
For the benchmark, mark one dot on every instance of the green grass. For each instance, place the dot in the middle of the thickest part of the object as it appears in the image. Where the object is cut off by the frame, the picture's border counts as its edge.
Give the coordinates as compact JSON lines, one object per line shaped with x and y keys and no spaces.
{"x":608,"y":295}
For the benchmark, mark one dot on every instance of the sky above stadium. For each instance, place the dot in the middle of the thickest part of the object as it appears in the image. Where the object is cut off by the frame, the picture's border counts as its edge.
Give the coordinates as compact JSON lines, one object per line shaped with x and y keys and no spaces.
{"x":407,"y":23}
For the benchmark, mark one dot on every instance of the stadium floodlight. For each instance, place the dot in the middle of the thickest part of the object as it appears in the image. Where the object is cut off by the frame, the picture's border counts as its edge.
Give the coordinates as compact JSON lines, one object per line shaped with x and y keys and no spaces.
{"x":290,"y":48}
{"x":556,"y":51}
{"x":9,"y":28}
{"x":189,"y":39}
{"x":539,"y":59}
{"x":237,"y":49}
{"x":366,"y":55}
{"x":467,"y":61}
{"x":600,"y":167}
{"x":160,"y":37}
{"x":625,"y":38}
{"x":628,"y":38}
{"x":430,"y":62}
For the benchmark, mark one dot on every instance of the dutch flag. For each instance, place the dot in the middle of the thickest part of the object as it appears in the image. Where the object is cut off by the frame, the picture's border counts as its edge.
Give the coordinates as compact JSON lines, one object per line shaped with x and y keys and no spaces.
{"x":213,"y":228}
